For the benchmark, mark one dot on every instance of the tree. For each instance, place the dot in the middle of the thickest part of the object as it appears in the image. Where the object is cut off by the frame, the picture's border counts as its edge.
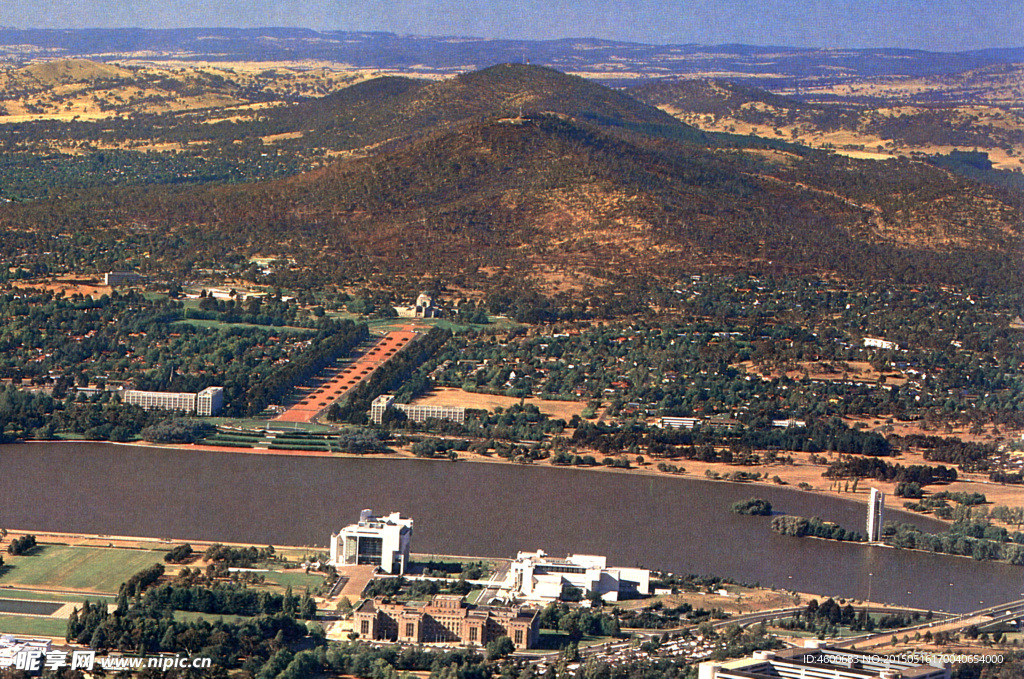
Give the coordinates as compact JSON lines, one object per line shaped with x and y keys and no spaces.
{"x":500,"y":648}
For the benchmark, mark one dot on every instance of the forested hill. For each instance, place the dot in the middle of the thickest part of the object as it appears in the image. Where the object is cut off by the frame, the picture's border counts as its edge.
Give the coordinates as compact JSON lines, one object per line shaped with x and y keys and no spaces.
{"x":393,"y":108}
{"x":584,"y":181}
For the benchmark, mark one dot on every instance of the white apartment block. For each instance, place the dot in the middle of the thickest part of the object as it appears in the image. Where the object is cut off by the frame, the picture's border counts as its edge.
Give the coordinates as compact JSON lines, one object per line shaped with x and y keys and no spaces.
{"x":208,"y":402}
{"x":416,"y":413}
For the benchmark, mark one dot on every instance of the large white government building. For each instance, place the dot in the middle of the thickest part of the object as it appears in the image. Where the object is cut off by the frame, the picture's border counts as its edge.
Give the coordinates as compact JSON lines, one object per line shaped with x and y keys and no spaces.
{"x":816,"y":661}
{"x":416,"y":413}
{"x":381,"y":541}
{"x":208,"y":402}
{"x":536,"y":576}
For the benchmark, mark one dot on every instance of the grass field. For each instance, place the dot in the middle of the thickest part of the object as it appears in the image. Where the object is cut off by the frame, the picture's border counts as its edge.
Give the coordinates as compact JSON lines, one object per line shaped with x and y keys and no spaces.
{"x":94,"y":569}
{"x":19,"y":624}
{"x":32,"y":595}
{"x":298,"y":581}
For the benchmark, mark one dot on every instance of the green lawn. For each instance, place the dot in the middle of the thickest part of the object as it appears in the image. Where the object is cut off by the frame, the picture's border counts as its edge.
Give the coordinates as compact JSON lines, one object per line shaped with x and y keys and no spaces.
{"x":32,"y":595}
{"x":298,"y":581}
{"x":19,"y":624}
{"x":96,"y":569}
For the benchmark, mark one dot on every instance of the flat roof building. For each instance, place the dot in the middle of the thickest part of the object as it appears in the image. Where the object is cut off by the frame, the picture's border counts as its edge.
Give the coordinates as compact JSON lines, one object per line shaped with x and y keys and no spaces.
{"x":373,"y":541}
{"x":537,"y":576}
{"x":821,"y":662}
{"x":208,"y":402}
{"x":445,"y":619}
{"x":416,"y":413}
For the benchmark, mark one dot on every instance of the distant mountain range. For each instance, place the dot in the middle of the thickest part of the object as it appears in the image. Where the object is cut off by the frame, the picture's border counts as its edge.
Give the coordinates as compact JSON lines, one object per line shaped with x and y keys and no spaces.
{"x":610,"y":61}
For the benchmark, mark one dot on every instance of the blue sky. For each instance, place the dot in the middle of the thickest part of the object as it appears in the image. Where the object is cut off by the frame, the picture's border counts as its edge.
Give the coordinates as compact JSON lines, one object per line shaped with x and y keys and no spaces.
{"x":941,"y":25}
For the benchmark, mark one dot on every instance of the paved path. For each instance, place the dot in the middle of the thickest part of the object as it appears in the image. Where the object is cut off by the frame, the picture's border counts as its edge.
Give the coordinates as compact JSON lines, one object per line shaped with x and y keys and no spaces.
{"x":323,"y":395}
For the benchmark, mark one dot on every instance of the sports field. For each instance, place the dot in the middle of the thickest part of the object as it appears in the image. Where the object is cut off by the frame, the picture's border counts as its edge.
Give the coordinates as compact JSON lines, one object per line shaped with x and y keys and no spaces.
{"x":94,"y":569}
{"x":19,"y":624}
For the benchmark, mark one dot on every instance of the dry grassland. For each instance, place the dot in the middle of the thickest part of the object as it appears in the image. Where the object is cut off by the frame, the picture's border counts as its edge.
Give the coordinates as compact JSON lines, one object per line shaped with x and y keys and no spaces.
{"x":450,"y":396}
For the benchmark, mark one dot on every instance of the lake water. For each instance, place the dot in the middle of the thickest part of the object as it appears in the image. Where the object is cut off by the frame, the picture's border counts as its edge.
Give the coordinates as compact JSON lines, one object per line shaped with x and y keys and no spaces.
{"x":673,"y":524}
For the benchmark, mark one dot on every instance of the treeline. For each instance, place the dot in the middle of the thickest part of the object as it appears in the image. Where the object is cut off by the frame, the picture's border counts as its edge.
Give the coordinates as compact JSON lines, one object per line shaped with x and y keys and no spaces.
{"x":333,"y":339}
{"x":415,"y":589}
{"x":388,"y":377}
{"x":518,"y":422}
{"x":177,"y":430}
{"x":978,"y":540}
{"x":136,"y":584}
{"x":700,"y":443}
{"x":229,"y":599}
{"x":577,"y":622}
{"x":870,"y":467}
{"x":968,"y":455}
{"x":146,"y":631}
{"x":660,"y":616}
{"x":798,"y":526}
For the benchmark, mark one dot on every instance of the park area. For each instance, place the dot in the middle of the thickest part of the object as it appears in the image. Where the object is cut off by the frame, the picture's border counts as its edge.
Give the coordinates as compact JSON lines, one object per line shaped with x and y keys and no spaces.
{"x":63,"y":567}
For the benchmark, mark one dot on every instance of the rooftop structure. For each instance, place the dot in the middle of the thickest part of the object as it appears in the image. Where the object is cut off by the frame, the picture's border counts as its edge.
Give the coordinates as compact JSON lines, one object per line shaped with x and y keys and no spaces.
{"x":375,"y":541}
{"x":445,"y":619}
{"x":537,"y":576}
{"x":208,"y":402}
{"x":821,"y":662}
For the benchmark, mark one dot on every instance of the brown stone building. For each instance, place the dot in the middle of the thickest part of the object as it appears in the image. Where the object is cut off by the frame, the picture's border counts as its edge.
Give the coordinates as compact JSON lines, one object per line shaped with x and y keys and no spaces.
{"x":446,"y":619}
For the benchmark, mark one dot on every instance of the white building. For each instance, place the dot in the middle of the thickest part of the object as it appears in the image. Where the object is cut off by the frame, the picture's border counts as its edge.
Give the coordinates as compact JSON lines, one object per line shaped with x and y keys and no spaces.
{"x":208,"y":402}
{"x":423,"y":308}
{"x":535,"y":575}
{"x":415,"y":413}
{"x":820,"y":662}
{"x":374,"y":541}
{"x":876,"y":506}
{"x":880,"y":343}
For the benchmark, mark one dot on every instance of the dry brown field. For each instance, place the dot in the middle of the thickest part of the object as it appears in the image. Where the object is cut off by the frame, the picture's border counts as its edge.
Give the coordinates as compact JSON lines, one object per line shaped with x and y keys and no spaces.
{"x":450,"y":396}
{"x":68,"y":284}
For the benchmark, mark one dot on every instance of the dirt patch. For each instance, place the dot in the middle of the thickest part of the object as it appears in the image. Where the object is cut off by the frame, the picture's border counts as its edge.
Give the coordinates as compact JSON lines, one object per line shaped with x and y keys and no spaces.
{"x":69,"y":285}
{"x":450,"y":396}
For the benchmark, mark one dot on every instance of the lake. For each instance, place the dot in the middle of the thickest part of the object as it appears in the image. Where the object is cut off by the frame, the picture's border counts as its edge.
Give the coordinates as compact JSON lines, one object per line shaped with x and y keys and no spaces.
{"x":673,"y":524}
